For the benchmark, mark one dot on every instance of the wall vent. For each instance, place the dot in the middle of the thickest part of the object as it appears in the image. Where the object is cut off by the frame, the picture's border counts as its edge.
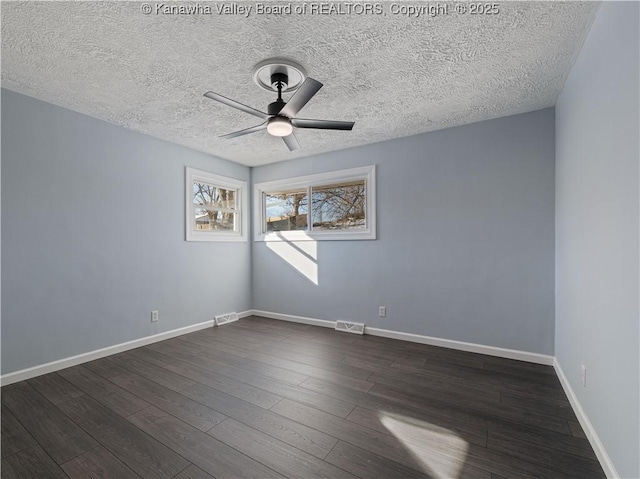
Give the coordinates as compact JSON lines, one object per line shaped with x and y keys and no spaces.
{"x":225,"y":318}
{"x":356,"y":328}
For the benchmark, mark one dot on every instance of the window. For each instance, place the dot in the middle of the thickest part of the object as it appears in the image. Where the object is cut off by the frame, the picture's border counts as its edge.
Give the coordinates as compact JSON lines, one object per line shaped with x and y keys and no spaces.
{"x":339,"y":205}
{"x":214,"y":207}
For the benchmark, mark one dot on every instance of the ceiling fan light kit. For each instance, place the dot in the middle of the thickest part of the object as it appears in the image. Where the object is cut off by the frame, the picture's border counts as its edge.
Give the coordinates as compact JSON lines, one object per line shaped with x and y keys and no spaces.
{"x":279,"y":126}
{"x":282,"y":76}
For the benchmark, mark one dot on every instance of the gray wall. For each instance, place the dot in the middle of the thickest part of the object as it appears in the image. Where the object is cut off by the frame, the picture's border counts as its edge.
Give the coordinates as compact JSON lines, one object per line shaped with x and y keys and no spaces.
{"x":93,"y":237}
{"x":597,"y":317}
{"x":465,"y":238}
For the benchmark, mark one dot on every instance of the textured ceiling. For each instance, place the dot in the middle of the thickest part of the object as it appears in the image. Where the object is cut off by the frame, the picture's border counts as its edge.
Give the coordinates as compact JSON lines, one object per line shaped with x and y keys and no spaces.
{"x":392,"y":74}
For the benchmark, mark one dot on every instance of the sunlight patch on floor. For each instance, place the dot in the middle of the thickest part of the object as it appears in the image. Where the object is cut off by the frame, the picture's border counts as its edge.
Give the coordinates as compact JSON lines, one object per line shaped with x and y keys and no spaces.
{"x":439,"y":451}
{"x":302,"y":256}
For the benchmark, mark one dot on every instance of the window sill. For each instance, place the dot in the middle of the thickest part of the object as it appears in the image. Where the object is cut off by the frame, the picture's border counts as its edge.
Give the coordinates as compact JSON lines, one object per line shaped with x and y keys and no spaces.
{"x":295,"y":236}
{"x":217,"y":237}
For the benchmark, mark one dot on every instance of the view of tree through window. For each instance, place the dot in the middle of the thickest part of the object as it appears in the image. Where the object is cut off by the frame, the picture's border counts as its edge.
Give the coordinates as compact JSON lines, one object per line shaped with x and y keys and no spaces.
{"x":333,"y":207}
{"x":286,"y":211}
{"x":215,"y":207}
{"x":338,"y":206}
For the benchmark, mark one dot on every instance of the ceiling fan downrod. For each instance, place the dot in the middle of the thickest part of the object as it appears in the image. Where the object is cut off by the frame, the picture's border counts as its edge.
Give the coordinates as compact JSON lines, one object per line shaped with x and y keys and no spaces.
{"x":278,"y":81}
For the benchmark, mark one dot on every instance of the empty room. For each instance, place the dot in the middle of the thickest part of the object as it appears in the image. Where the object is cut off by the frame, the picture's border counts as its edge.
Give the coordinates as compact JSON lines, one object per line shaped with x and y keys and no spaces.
{"x":320,"y":240}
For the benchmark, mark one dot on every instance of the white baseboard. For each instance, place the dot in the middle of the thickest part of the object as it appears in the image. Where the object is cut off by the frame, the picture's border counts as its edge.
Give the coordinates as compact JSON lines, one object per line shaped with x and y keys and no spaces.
{"x":462,"y":346}
{"x":53,"y":366}
{"x":592,"y":436}
{"x":417,"y":338}
{"x":295,"y":319}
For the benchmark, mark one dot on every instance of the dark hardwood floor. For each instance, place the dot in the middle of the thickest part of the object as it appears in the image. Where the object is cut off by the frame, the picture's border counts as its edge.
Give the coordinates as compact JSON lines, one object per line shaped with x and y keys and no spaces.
{"x":261,"y":398}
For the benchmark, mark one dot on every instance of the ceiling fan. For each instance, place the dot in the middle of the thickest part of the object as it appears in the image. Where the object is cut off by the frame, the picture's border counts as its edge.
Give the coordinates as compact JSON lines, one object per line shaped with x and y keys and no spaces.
{"x":280,"y":119}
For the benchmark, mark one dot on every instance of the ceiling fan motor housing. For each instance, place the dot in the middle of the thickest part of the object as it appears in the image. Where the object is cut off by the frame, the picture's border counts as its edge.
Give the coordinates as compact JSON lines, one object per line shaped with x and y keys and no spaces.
{"x":274,"y":108}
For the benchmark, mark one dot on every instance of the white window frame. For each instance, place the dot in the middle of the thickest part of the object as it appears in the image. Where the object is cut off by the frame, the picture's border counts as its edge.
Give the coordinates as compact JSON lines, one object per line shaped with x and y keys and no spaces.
{"x":366,"y":173}
{"x":241,"y":225}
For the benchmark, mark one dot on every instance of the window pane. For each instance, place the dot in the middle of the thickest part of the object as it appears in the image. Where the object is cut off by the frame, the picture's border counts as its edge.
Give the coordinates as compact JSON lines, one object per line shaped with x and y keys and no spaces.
{"x":339,"y":206}
{"x":286,"y":211}
{"x":209,"y":195}
{"x":210,"y":220}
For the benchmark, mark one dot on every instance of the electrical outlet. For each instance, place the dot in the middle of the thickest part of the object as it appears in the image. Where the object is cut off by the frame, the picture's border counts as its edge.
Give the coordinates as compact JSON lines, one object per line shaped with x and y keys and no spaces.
{"x":154,"y":316}
{"x":382,"y":311}
{"x":583,"y":375}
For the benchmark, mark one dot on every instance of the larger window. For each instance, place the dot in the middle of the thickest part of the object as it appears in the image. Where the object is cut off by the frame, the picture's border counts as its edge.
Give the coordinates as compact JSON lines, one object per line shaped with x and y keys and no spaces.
{"x":214,"y":209}
{"x":339,"y":205}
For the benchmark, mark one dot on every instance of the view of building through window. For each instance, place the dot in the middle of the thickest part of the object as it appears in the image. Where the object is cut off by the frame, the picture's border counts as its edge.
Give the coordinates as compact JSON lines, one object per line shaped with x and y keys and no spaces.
{"x":286,"y":211}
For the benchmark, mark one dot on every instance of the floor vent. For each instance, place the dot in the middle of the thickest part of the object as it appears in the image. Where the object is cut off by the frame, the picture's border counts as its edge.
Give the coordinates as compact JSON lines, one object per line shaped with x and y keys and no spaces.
{"x":356,"y":328}
{"x":225,"y":318}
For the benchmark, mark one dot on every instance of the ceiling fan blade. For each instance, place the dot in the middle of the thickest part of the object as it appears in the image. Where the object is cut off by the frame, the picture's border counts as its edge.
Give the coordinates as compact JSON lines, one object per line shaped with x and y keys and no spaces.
{"x":292,"y":142}
{"x":322,"y":124}
{"x":300,"y":98}
{"x":253,"y":129}
{"x":237,"y":105}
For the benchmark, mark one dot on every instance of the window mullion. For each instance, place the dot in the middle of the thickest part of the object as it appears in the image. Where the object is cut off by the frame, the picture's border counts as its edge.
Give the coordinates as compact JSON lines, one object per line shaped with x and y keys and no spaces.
{"x":309,"y":212}
{"x":216,"y":208}
{"x":263,"y":212}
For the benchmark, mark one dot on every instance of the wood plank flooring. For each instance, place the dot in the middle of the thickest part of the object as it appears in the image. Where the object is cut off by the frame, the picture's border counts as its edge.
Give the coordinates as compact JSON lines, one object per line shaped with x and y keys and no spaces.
{"x":261,"y":398}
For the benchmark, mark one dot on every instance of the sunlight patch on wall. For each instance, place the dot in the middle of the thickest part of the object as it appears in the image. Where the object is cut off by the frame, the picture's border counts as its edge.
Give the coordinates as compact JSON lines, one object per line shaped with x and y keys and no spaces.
{"x":440,"y":452}
{"x":302,"y":256}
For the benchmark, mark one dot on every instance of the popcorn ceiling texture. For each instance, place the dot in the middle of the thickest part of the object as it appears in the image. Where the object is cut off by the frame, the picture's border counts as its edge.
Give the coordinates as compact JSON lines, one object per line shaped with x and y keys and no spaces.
{"x":394,"y":76}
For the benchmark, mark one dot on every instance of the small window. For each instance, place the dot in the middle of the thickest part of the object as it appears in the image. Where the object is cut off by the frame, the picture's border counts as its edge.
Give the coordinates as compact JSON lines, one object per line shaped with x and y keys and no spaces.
{"x":214,"y":207}
{"x":329,"y":206}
